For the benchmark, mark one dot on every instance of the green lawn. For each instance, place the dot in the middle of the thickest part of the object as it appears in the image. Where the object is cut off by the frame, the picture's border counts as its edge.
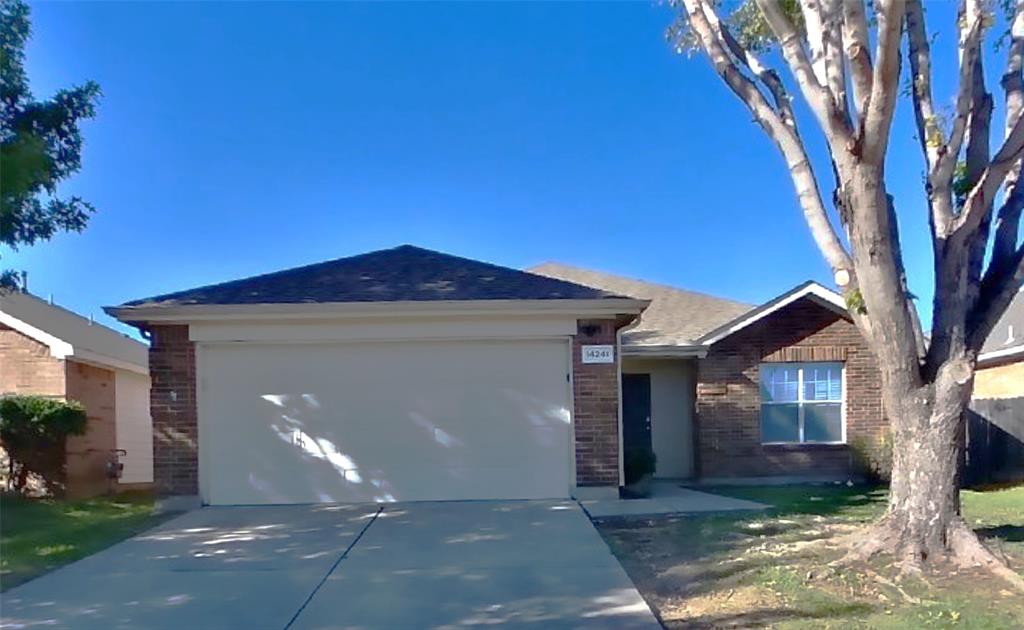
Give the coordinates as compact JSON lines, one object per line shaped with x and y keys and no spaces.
{"x":771,"y":569}
{"x":39,"y":535}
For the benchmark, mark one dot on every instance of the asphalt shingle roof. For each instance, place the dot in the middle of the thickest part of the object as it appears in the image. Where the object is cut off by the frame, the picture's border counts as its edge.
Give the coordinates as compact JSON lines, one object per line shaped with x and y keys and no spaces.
{"x":676,"y":317}
{"x":404,"y":273}
{"x":1009,"y":330}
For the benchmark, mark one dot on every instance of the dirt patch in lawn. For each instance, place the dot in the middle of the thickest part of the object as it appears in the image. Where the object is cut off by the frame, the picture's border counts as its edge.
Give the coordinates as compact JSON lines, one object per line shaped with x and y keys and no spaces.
{"x":773,"y":569}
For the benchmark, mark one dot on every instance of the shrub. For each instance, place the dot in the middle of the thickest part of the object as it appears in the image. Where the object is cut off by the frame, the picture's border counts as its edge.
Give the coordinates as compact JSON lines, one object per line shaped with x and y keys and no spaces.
{"x":637,"y":463}
{"x":873,"y":459}
{"x":33,"y":430}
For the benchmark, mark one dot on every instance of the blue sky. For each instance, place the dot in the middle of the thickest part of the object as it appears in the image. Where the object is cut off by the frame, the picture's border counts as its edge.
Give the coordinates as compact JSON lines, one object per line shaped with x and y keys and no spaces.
{"x":240,"y":138}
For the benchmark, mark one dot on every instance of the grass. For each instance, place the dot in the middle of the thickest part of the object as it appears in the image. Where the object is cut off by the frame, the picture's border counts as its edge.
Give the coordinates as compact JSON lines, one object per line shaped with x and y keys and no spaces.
{"x":771,"y":568}
{"x":39,"y":535}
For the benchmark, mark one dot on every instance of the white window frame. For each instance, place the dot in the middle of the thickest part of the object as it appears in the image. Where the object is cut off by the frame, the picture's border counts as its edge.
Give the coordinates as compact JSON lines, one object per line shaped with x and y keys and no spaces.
{"x":800,"y":402}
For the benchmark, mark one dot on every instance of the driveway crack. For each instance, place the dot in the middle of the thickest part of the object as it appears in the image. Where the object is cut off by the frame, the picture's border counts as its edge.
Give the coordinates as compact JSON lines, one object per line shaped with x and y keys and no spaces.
{"x":334,"y":566}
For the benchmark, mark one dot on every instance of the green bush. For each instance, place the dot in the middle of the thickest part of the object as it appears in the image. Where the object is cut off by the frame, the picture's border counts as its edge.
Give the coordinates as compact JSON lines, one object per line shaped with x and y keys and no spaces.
{"x":33,"y":430}
{"x":637,"y":463}
{"x":873,"y":459}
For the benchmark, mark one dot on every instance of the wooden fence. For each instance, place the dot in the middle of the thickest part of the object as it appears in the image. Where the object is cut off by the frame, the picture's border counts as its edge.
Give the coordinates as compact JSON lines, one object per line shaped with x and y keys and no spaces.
{"x":995,"y":441}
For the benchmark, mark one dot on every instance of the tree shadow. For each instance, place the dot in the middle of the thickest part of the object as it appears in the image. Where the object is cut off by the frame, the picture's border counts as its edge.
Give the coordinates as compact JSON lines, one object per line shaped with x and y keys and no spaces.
{"x":1008,"y":533}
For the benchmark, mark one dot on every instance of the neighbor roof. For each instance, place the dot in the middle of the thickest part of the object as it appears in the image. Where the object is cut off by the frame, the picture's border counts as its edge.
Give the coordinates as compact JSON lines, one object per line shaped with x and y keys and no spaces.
{"x":402,"y":274}
{"x":675,"y":318}
{"x":71,"y":336}
{"x":1007,"y":338}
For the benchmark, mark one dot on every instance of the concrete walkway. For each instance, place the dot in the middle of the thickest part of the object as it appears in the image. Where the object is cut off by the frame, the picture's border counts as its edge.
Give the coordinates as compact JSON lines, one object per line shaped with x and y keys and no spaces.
{"x":438,"y":565}
{"x":667,"y":497}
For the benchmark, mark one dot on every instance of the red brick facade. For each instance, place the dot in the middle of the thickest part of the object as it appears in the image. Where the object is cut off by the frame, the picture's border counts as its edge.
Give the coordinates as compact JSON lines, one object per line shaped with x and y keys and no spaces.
{"x":88,"y":454}
{"x":27,"y":367}
{"x":596,"y":407}
{"x":728,"y":429}
{"x":172,"y":367}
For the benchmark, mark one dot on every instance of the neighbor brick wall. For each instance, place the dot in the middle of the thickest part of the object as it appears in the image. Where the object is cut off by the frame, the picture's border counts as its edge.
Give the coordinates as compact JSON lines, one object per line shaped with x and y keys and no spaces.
{"x":26,"y":366}
{"x":87,"y":454}
{"x":172,"y":367}
{"x":1000,"y":381}
{"x":729,"y":398}
{"x":596,"y":407}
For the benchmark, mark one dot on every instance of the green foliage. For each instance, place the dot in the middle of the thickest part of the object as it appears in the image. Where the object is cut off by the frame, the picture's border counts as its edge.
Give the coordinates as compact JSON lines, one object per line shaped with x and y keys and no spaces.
{"x":873,"y":459}
{"x":744,"y":20}
{"x":855,"y":302}
{"x":40,"y":144}
{"x":30,"y":420}
{"x":33,"y":430}
{"x":961,"y":185}
{"x":637,"y":463}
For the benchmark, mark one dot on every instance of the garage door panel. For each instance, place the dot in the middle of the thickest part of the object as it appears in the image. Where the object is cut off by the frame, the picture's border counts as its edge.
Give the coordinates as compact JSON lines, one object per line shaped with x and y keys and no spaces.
{"x":394,"y":421}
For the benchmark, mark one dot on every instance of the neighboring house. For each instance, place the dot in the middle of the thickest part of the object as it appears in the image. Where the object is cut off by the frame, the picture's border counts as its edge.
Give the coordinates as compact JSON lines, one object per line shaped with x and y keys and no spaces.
{"x":1000,"y":372}
{"x":408,"y":374}
{"x":995,"y":421}
{"x":49,"y":351}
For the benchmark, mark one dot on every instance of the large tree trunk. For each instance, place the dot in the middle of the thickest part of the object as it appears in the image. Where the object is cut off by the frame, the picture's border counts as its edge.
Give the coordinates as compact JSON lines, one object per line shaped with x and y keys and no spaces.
{"x":922,"y":522}
{"x":924,"y":505}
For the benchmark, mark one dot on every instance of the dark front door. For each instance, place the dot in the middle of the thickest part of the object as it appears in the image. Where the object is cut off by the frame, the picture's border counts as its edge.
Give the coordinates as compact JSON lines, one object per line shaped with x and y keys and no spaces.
{"x":636,"y":412}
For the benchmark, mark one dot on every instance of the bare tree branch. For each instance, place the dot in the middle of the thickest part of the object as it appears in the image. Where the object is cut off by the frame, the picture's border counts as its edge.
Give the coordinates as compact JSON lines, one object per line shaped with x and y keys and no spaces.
{"x":984,"y":192}
{"x":822,"y":23}
{"x":976,"y":160}
{"x":885,"y":82}
{"x":835,"y":62}
{"x":858,"y":51}
{"x":708,"y":29}
{"x":929,"y":131}
{"x":970,"y":49}
{"x":1008,"y":219}
{"x":823,"y":104}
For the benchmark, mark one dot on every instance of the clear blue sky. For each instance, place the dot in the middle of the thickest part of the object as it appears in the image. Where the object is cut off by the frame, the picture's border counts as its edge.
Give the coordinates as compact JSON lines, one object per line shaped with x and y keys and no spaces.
{"x":241,"y":138}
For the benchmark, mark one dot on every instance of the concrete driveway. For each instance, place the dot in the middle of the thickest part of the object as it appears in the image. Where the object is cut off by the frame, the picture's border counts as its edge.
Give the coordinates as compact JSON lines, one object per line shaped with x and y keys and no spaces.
{"x":457,"y":564}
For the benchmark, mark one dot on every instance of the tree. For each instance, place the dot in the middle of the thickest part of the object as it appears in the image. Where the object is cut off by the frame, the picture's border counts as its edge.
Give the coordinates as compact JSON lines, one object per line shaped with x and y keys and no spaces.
{"x":974,"y":199}
{"x":40,"y":145}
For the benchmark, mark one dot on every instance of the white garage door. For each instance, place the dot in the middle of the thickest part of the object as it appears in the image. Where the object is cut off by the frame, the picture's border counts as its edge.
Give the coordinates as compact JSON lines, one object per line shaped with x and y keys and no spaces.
{"x":396,"y":421}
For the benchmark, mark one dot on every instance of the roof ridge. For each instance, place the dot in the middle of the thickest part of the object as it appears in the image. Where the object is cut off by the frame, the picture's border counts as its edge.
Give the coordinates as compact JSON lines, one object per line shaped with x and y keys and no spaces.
{"x":640,"y":281}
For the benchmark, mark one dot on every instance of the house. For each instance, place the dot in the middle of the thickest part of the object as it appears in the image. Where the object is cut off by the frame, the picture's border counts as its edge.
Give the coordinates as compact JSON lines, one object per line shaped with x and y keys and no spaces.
{"x":1000,"y":371}
{"x":49,"y":351}
{"x":728,"y":392}
{"x":995,"y":420}
{"x":408,"y":374}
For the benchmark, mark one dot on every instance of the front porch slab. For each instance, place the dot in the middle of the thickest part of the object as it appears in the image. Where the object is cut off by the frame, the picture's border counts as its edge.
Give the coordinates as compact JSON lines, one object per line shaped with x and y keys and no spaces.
{"x":667,"y":497}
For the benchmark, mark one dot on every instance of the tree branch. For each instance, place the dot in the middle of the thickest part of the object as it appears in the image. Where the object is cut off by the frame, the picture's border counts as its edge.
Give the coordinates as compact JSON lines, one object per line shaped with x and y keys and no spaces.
{"x":1007,"y":223}
{"x":709,"y":28}
{"x":822,"y":102}
{"x":984,"y":192}
{"x":858,"y":51}
{"x":929,"y":131}
{"x":970,"y":50}
{"x":885,"y":82}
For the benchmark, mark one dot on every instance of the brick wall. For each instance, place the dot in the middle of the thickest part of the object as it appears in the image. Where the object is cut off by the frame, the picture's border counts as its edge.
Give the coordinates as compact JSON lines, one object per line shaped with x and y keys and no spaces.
{"x":172,"y":366}
{"x":26,"y":366}
{"x":729,"y":398}
{"x":87,"y":454}
{"x":596,"y":407}
{"x":1000,"y":381}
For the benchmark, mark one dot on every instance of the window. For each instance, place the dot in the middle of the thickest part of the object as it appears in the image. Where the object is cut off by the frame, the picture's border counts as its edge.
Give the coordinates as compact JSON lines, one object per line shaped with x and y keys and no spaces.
{"x":802,"y":402}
